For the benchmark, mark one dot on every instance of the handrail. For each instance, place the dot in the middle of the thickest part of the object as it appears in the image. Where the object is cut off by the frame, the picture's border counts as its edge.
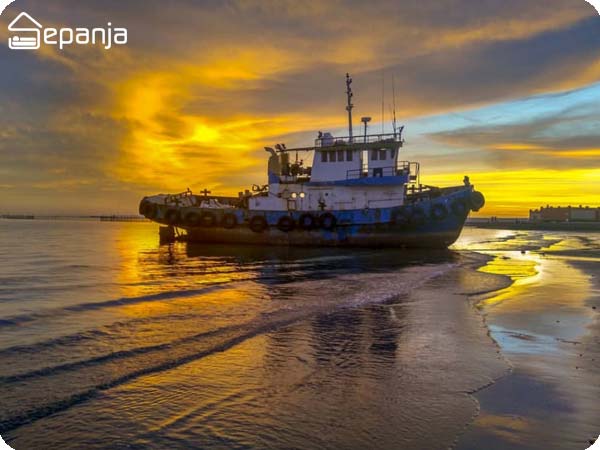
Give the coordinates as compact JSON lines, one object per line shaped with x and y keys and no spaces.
{"x":411,"y":169}
{"x":327,"y":141}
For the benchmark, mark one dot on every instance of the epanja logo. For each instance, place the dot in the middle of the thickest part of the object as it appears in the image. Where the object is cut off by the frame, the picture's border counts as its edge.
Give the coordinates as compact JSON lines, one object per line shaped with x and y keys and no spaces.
{"x":30,"y":34}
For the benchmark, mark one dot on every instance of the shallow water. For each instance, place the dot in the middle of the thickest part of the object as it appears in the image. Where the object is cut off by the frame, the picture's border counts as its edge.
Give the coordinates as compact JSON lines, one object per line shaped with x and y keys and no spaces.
{"x":110,"y":340}
{"x":547,"y":325}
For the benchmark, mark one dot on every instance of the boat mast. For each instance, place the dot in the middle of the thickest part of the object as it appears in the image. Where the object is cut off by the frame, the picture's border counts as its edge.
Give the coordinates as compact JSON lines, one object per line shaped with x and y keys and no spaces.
{"x":394,"y":102}
{"x":350,"y":105}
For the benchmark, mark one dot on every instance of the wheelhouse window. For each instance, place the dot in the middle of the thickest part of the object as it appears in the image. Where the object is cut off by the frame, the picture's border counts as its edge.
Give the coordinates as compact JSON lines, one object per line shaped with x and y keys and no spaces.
{"x":323,"y":156}
{"x":374,"y":155}
{"x":348,"y":155}
{"x":332,"y":157}
{"x":382,"y":155}
{"x":340,"y":155}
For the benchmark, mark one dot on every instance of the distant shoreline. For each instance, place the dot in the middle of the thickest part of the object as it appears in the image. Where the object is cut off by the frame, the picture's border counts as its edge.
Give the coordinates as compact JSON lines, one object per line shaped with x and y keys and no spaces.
{"x":535,"y":226}
{"x":102,"y":218}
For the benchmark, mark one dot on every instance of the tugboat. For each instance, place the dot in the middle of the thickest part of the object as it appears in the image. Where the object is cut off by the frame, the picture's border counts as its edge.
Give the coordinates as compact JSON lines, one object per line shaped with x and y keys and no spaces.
{"x":357,"y":192}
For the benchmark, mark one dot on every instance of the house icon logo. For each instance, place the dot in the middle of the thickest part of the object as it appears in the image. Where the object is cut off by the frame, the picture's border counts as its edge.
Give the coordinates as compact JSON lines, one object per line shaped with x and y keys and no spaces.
{"x":29,"y":33}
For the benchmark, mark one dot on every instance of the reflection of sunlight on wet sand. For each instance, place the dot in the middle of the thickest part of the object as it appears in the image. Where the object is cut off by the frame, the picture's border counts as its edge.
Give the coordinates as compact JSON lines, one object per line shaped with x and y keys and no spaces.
{"x":477,"y":238}
{"x":525,"y":271}
{"x":506,"y":427}
{"x":547,"y":296}
{"x":539,"y":283}
{"x":540,"y":278}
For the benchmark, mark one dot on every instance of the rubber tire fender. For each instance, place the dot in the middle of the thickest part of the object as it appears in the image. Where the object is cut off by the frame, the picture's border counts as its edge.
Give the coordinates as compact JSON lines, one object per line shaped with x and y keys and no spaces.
{"x":286,"y":224}
{"x":476,"y":200}
{"x":459,"y":207}
{"x":307,"y":221}
{"x":229,"y":221}
{"x":417,"y":217}
{"x":172,"y":216}
{"x":258,"y":224}
{"x":151,"y":211}
{"x":439,"y":211}
{"x":401,"y":217}
{"x":327,"y":221}
{"x":192,"y":219}
{"x":143,"y":206}
{"x":208,"y":219}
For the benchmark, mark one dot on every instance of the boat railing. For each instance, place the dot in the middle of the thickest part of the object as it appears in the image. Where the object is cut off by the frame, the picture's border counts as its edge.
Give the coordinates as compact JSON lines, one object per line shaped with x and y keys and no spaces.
{"x":328,"y":141}
{"x":406,"y":168}
{"x":389,"y":171}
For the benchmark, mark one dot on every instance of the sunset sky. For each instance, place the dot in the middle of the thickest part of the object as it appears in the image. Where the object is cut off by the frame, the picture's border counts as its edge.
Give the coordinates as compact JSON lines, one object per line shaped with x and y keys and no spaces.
{"x":506,"y":91}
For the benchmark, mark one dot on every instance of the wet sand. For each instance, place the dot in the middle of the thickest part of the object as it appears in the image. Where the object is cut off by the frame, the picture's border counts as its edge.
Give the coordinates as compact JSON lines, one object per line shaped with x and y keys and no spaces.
{"x":547,"y":325}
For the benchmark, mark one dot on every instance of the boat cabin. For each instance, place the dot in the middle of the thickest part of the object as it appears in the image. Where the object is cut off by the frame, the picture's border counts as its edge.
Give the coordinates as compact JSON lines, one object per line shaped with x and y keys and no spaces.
{"x":346,"y":173}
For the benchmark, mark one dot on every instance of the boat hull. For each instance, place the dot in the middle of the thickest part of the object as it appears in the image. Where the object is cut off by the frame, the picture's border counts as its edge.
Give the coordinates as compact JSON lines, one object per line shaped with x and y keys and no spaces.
{"x":346,"y":237}
{"x":374,"y":228}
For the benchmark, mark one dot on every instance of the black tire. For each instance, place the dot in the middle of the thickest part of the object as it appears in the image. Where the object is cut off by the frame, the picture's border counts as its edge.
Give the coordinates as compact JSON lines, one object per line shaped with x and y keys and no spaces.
{"x":151,"y":211}
{"x":258,"y":224}
{"x":207,"y":219}
{"x":229,"y":221}
{"x":476,"y":200}
{"x":327,"y":221}
{"x":401,"y":217}
{"x":172,"y":216}
{"x":192,"y":219}
{"x":307,"y":221}
{"x":143,"y":206}
{"x":439,"y":211}
{"x":286,"y":224}
{"x":459,"y":208}
{"x":417,"y":217}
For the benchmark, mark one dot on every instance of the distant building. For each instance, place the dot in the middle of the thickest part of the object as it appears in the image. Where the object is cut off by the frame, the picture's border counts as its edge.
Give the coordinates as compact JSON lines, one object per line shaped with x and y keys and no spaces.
{"x":565,"y":214}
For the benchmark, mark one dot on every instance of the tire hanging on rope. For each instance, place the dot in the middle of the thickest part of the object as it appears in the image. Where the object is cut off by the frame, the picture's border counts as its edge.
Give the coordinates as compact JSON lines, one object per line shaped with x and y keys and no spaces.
{"x":439,"y":211}
{"x":286,"y":224}
{"x":417,"y":217}
{"x":327,"y":221}
{"x":229,"y":221}
{"x":208,"y":219}
{"x":459,"y":207}
{"x":476,"y":200}
{"x":192,"y":219}
{"x":401,"y":217}
{"x":258,"y":224}
{"x":307,"y":221}
{"x":172,"y":216}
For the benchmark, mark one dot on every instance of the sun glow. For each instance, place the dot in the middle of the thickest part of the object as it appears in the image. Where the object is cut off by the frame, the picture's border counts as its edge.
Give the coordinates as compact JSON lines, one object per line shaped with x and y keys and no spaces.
{"x":513,"y":192}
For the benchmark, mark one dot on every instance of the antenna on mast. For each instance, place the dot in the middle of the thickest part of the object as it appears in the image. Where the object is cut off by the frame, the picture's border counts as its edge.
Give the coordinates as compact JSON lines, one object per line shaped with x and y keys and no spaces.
{"x":350,"y":105}
{"x":394,"y":103}
{"x":382,"y":97}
